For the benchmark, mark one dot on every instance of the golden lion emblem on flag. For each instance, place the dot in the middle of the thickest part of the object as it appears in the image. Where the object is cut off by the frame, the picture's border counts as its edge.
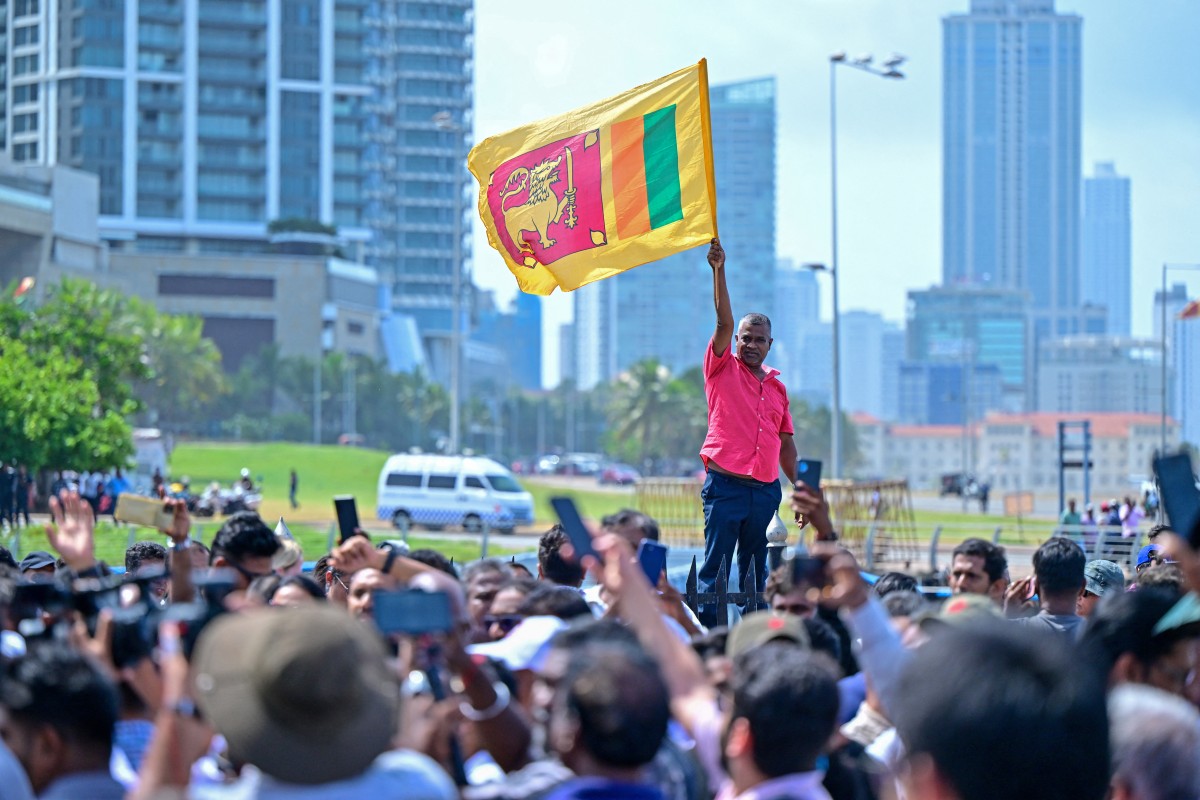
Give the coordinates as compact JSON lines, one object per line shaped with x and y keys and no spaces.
{"x":542,"y":207}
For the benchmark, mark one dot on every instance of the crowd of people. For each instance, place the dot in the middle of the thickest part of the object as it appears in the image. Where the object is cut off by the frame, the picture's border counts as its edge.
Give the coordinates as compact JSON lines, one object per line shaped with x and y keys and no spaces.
{"x":19,"y":491}
{"x":228,"y":671}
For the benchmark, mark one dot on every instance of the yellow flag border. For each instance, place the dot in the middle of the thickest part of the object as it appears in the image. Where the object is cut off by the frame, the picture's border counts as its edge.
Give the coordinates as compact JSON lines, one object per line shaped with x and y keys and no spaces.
{"x":706,"y":124}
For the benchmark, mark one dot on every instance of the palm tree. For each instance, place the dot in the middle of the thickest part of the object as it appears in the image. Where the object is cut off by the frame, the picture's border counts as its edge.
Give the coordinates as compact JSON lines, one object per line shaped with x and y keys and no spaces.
{"x":641,"y":408}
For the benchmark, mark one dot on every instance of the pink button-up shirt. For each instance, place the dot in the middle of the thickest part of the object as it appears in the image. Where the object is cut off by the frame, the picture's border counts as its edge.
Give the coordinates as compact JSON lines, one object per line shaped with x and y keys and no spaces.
{"x":745,"y":417}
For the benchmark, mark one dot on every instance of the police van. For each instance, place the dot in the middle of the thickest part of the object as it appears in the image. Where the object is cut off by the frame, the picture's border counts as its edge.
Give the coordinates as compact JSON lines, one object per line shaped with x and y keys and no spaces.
{"x":451,"y":491}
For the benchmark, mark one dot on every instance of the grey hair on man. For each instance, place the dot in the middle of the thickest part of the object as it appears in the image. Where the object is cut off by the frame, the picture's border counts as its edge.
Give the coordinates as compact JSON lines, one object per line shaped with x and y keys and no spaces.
{"x":1155,"y":745}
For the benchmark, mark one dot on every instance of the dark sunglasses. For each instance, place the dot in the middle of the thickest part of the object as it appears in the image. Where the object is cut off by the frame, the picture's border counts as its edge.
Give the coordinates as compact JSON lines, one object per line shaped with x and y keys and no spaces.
{"x":247,"y":574}
{"x":506,"y":621}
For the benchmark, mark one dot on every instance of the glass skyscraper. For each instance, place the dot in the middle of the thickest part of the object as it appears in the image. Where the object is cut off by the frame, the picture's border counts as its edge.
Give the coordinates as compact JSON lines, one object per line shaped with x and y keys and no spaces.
{"x":1011,"y":155}
{"x":204,"y":120}
{"x":1107,"y":273}
{"x":976,"y":329}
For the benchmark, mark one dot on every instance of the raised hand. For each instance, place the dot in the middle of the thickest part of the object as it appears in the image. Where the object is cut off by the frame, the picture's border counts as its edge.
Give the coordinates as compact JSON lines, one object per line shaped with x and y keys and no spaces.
{"x":72,"y":530}
{"x":356,"y":553}
{"x":716,"y":254}
{"x":181,"y":522}
{"x":809,"y":505}
{"x":846,"y":587}
{"x":1016,"y":598}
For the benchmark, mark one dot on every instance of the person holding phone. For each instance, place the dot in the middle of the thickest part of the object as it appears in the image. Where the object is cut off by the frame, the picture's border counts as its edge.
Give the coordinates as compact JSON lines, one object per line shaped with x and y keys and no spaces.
{"x":749,"y":439}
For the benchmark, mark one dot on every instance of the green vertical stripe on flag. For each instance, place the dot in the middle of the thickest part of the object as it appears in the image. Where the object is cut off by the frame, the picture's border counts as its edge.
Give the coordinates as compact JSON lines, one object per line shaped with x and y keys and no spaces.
{"x":662,"y":167}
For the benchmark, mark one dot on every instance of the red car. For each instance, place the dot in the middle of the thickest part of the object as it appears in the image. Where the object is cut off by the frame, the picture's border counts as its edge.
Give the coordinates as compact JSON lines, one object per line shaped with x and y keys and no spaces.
{"x":619,"y":474}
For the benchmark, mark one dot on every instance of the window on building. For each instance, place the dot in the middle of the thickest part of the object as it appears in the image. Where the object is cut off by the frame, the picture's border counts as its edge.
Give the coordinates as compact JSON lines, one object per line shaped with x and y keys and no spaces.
{"x":25,"y":7}
{"x":26,"y":65}
{"x":27,"y":151}
{"x":174,"y":284}
{"x":24,"y":123}
{"x":27,"y":34}
{"x":28,"y":93}
{"x":355,"y":328}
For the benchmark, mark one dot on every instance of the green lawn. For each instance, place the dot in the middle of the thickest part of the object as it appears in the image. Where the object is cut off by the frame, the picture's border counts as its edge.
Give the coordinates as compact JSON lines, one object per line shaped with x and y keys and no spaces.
{"x":327,"y":470}
{"x":593,"y":503}
{"x":323,"y":470}
{"x":112,"y":540}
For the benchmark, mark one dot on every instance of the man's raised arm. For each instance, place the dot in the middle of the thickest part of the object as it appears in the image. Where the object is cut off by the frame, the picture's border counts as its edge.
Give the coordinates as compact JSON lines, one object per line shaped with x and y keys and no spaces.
{"x":724,"y":331}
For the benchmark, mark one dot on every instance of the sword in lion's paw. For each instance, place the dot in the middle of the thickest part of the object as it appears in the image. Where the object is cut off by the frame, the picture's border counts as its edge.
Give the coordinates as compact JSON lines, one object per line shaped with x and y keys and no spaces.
{"x":569,"y":196}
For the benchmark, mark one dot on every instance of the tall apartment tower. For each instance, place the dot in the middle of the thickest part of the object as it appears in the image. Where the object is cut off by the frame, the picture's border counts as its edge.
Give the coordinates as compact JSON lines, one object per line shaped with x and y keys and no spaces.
{"x":664,"y":309}
{"x":205,"y":121}
{"x":594,"y":339}
{"x":1011,"y":155}
{"x":1107,"y":271}
{"x":421,"y":66}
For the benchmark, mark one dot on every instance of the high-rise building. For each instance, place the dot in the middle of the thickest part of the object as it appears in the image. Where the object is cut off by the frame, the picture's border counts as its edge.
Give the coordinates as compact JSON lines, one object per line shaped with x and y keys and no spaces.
{"x":664,"y":309}
{"x":1011,"y":155}
{"x":418,"y":191}
{"x":525,"y":349}
{"x":566,"y":352}
{"x":977,"y":329}
{"x":797,"y":293}
{"x":205,"y":121}
{"x":595,"y":333}
{"x":939,"y":392}
{"x":893,"y":348}
{"x":1183,"y":359}
{"x":1107,"y":270}
{"x":1100,"y":373}
{"x":862,"y":362}
{"x":798,"y":311}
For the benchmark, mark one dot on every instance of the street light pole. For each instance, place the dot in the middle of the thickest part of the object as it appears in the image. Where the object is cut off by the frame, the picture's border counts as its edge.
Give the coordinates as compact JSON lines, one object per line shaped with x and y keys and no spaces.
{"x":836,"y":416}
{"x":445,"y":121}
{"x":889,"y":70}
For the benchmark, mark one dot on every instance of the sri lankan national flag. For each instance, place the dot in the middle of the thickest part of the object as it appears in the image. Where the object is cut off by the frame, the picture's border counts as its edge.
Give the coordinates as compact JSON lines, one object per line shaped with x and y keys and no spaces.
{"x":1190,"y":311}
{"x":601,"y":189}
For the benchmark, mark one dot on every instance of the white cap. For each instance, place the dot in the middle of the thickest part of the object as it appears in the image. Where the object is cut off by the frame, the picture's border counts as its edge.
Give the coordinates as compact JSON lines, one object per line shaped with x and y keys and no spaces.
{"x":526,"y":645}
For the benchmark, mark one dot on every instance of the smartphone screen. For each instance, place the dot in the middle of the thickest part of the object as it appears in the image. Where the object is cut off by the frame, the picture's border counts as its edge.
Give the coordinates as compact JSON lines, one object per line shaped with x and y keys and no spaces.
{"x":347,"y":515}
{"x":411,"y":611}
{"x":577,"y":532}
{"x":147,"y":511}
{"x":653,"y":558}
{"x":1180,"y":498}
{"x":809,"y":471}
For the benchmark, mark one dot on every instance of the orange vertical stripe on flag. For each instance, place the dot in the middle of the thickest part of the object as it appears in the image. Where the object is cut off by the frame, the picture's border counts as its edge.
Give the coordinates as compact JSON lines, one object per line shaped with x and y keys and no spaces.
{"x":629,"y":178}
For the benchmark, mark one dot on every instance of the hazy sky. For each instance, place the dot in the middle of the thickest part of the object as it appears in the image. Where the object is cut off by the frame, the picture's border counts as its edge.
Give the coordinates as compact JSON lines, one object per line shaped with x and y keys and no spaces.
{"x":1141,"y":109}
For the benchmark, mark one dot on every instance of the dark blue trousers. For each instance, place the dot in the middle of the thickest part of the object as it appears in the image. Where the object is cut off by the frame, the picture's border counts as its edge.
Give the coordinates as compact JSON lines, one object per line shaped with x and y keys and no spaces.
{"x":737,"y":512}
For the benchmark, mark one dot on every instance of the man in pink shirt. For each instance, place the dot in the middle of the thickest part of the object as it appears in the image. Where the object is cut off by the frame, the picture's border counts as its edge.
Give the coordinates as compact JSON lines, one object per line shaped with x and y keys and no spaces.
{"x":749,"y":439}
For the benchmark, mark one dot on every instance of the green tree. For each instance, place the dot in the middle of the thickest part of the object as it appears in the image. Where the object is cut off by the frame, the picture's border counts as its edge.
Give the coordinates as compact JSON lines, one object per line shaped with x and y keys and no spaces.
{"x":51,"y":415}
{"x":813,"y":425}
{"x":94,"y":327}
{"x":185,"y":375}
{"x":641,"y":406}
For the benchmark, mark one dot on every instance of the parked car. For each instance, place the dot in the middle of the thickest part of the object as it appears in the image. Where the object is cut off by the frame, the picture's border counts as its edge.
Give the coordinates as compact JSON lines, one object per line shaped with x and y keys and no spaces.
{"x":619,"y":474}
{"x":580,"y":464}
{"x":440,"y":491}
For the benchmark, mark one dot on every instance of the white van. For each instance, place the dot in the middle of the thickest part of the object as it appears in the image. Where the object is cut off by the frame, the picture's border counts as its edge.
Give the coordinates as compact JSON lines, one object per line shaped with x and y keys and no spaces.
{"x":441,"y":491}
